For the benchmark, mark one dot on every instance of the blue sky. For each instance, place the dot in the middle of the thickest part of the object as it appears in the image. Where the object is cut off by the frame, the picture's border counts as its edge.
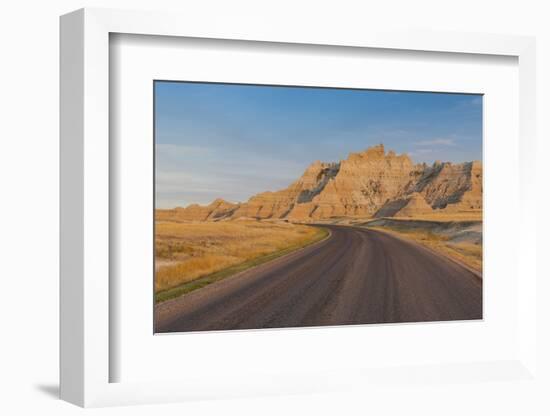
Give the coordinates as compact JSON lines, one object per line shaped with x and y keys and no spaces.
{"x":233,"y":141}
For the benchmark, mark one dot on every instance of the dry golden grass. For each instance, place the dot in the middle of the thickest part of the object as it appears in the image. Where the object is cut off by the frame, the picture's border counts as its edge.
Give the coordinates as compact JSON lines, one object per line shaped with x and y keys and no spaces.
{"x":439,"y":215}
{"x":468,"y":253}
{"x":174,"y":215}
{"x":189,"y":251}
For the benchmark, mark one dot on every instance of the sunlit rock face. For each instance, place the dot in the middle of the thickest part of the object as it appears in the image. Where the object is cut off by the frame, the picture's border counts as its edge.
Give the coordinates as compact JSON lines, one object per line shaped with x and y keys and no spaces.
{"x":217,"y":210}
{"x":367,"y":184}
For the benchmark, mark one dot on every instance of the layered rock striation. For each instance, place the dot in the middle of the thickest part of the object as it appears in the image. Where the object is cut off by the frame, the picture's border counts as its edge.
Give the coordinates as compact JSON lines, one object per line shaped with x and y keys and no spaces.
{"x":367,"y":184}
{"x":219,"y":209}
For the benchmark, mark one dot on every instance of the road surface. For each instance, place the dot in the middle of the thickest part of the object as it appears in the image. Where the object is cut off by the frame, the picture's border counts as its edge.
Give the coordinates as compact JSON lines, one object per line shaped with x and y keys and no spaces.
{"x":356,"y":276}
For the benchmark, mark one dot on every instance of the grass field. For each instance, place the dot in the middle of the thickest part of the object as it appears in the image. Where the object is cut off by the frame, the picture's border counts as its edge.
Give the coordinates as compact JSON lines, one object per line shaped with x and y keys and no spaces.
{"x":441,"y":215}
{"x":468,"y":253}
{"x":191,"y":255}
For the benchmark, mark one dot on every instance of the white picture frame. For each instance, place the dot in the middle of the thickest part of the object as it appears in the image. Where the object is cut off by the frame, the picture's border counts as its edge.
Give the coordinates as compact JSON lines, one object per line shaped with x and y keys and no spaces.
{"x":86,"y":356}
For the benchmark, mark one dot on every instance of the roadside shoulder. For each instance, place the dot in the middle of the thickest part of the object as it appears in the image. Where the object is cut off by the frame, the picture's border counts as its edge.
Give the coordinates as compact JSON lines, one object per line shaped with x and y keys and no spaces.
{"x":476,"y":273}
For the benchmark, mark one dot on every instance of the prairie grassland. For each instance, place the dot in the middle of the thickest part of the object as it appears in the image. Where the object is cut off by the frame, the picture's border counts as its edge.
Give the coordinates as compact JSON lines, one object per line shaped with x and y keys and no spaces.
{"x":468,"y":253}
{"x":441,"y":215}
{"x":209,"y":251}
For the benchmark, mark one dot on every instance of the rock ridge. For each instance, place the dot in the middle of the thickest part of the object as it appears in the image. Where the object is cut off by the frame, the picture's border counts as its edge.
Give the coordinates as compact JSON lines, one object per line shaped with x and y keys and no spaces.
{"x":371,"y":183}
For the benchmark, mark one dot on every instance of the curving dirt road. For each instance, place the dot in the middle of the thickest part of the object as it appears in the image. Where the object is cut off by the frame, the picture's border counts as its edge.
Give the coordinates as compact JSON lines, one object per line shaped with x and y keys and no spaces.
{"x":356,"y":276}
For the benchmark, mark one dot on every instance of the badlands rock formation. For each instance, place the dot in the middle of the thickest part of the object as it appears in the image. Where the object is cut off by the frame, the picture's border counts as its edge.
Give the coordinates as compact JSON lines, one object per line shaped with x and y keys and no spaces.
{"x":367,"y":184}
{"x":280,"y":204}
{"x":409,"y":206}
{"x":219,"y":209}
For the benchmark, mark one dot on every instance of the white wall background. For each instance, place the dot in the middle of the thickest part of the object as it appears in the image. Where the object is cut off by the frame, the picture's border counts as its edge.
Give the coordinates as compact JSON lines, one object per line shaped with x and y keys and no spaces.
{"x":29,"y":205}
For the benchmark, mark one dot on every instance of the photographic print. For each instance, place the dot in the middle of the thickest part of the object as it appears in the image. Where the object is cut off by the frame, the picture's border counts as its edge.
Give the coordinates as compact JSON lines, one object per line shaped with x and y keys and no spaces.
{"x":289,"y":206}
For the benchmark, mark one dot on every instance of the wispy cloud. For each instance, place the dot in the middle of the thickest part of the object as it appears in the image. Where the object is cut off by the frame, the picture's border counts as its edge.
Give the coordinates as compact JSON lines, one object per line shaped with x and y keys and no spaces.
{"x":177,"y":151}
{"x":436,"y":142}
{"x":195,"y":174}
{"x":422,"y":151}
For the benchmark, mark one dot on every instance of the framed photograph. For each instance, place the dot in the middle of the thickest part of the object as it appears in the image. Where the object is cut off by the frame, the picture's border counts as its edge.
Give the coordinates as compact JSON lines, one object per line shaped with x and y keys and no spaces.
{"x":266,"y":211}
{"x":371,"y":236}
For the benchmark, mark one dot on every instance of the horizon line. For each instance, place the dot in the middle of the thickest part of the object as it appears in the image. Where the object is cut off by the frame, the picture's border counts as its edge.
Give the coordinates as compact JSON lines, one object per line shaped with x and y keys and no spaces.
{"x":386,"y":153}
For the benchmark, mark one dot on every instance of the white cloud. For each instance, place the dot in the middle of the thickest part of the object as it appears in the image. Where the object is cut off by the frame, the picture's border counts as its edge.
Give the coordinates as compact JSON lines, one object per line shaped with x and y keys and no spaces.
{"x":421,"y":152}
{"x":178,"y":151}
{"x":189,"y":174}
{"x":436,"y":142}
